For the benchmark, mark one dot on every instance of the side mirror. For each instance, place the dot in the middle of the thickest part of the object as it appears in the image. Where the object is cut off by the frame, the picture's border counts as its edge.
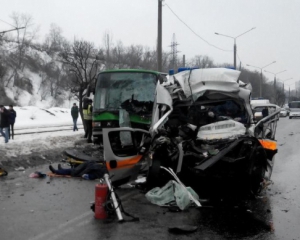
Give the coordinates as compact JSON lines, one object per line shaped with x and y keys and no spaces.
{"x":162,"y":79}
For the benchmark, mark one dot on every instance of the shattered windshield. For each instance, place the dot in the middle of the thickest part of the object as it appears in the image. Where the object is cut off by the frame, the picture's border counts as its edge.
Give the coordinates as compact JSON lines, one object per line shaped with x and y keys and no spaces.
{"x":128,"y":90}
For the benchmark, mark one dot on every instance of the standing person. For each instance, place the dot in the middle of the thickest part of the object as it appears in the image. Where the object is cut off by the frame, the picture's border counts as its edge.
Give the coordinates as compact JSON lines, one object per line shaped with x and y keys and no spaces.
{"x":84,"y":111}
{"x":265,"y":112}
{"x":12,"y":119}
{"x":87,"y":116}
{"x":4,"y":123}
{"x":74,"y":113}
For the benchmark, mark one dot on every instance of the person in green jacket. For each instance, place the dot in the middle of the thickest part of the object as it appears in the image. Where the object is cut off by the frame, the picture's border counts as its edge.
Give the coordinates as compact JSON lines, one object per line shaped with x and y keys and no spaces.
{"x":74,"y":113}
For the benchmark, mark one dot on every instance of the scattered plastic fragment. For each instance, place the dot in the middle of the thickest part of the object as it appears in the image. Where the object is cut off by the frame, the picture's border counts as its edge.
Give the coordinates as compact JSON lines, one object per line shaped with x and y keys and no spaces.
{"x":272,"y":229}
{"x":141,"y":180}
{"x":37,"y":175}
{"x":3,"y":172}
{"x":20,"y":169}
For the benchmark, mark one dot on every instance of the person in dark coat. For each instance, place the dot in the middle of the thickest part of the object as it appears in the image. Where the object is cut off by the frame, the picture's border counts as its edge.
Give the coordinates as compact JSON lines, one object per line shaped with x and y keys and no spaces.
{"x":4,"y":123}
{"x":12,"y":119}
{"x":89,"y":170}
{"x":74,"y":113}
{"x":265,"y":112}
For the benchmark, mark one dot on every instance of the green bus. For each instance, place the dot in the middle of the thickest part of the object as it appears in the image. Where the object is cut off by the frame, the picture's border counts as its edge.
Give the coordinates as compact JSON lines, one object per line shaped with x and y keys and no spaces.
{"x":124,"y":98}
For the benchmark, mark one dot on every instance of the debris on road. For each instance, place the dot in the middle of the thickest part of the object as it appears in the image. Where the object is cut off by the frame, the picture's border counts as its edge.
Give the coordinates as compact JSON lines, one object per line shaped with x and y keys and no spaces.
{"x":170,"y":193}
{"x":3,"y":172}
{"x":183,"y":229}
{"x":37,"y":174}
{"x":20,"y":169}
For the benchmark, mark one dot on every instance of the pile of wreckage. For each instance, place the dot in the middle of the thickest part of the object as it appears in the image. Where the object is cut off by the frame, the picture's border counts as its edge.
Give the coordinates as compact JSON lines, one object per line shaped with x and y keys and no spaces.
{"x":202,"y":135}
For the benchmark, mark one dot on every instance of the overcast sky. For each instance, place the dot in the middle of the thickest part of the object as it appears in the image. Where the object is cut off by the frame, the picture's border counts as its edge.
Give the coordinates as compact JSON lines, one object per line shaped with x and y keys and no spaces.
{"x":276,"y":37}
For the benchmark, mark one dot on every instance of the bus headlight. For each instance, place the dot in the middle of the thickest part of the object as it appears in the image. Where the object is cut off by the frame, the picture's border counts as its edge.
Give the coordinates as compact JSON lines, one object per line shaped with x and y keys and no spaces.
{"x":96,"y":124}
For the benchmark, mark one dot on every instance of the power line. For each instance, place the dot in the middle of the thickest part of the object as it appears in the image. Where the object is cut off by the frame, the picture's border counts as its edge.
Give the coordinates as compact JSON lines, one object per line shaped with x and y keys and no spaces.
{"x":195,"y":32}
{"x":8,"y":23}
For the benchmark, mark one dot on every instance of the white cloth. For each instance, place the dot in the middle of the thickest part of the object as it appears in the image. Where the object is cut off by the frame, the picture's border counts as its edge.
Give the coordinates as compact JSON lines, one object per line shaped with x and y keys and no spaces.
{"x":171,"y":192}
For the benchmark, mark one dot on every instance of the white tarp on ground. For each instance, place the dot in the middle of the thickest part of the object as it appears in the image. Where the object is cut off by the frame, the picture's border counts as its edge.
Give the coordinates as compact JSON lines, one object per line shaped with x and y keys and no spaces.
{"x":214,"y":79}
{"x":172,"y":192}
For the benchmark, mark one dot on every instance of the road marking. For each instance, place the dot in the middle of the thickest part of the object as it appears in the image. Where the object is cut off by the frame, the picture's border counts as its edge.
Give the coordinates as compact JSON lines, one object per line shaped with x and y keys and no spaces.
{"x":53,"y":231}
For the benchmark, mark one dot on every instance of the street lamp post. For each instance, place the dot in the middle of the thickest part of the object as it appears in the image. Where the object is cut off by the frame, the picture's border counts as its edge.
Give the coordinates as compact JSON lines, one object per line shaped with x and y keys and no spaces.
{"x":275,"y":74}
{"x":290,"y":91}
{"x":285,"y":81}
{"x":261,"y":77}
{"x":234,"y":46}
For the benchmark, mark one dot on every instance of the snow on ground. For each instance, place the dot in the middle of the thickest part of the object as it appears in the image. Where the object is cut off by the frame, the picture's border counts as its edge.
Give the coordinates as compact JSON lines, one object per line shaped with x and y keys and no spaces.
{"x":33,"y":118}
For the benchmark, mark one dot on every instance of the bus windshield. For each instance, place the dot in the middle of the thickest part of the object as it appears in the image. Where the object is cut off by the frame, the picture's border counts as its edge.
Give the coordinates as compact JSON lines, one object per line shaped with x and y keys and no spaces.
{"x":295,"y":104}
{"x":115,"y":90}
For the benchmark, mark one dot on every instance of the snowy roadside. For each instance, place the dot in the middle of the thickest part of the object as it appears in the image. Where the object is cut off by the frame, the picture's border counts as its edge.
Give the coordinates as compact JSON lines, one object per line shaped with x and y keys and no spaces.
{"x":28,"y":150}
{"x":37,"y":149}
{"x":38,"y":142}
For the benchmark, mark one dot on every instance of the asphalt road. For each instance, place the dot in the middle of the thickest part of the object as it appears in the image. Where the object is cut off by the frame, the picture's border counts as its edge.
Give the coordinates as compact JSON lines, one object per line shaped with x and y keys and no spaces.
{"x":37,"y":209}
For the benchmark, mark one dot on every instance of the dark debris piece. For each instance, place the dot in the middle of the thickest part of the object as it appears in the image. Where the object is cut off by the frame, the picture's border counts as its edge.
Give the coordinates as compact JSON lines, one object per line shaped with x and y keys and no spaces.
{"x":183,"y":229}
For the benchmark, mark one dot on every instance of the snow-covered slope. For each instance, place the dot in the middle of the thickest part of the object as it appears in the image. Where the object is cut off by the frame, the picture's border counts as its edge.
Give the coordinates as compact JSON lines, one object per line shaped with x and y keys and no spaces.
{"x":36,"y":64}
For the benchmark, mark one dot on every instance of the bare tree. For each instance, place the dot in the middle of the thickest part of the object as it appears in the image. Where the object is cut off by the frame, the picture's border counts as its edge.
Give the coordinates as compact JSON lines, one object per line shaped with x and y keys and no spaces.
{"x":201,"y":62}
{"x":108,"y":44}
{"x":134,"y":56}
{"x":54,"y":40}
{"x":149,"y":59}
{"x":24,"y":39}
{"x":117,"y":57}
{"x":80,"y":60}
{"x":279,"y":96}
{"x":24,"y":36}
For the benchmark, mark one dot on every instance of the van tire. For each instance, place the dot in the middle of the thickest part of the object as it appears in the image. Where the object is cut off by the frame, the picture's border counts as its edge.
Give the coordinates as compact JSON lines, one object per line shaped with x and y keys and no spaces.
{"x":156,"y":177}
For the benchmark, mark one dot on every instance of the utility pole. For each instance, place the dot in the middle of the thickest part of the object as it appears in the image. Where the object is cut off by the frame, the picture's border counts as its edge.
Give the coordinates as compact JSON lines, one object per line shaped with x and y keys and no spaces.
{"x":183,"y":60}
{"x":159,"y":37}
{"x":108,"y":52}
{"x":275,"y":90}
{"x":234,"y":54}
{"x":174,"y":52}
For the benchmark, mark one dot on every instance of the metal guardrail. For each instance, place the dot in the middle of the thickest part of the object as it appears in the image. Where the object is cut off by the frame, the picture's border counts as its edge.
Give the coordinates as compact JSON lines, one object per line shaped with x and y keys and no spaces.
{"x":26,"y":131}
{"x":45,"y":126}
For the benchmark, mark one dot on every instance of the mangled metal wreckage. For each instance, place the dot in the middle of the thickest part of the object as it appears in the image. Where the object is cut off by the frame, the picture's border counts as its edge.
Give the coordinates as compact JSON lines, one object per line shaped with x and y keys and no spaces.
{"x":202,"y":127}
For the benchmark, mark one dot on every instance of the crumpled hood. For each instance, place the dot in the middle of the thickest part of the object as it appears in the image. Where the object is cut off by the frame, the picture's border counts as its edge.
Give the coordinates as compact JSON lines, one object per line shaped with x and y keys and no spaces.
{"x":213,"y":79}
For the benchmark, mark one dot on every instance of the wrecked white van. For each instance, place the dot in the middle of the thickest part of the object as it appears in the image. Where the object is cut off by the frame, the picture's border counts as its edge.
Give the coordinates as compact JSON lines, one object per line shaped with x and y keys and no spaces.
{"x":203,"y":128}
